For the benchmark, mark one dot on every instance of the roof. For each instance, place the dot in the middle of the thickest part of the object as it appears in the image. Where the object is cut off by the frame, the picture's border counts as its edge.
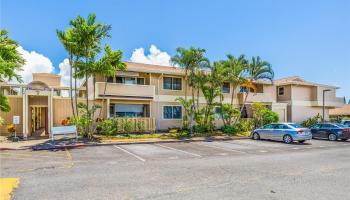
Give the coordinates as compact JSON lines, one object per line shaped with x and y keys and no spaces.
{"x":148,"y":68}
{"x":345,"y":110}
{"x":46,"y":74}
{"x":297,"y":80}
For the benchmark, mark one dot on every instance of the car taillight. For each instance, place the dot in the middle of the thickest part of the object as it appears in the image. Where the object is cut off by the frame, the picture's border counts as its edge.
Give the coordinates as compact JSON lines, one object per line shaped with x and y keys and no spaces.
{"x":300,"y":131}
{"x":345,"y":130}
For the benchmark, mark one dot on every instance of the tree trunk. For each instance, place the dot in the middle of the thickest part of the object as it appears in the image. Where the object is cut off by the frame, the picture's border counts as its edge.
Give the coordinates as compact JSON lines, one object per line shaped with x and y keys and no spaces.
{"x":71,"y":84}
{"x":87,"y":100}
{"x":103,"y":98}
{"x":244,"y":102}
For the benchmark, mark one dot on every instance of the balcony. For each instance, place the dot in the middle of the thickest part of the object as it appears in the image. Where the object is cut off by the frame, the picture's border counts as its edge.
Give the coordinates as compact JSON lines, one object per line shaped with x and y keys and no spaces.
{"x":255,"y":97}
{"x":118,"y":90}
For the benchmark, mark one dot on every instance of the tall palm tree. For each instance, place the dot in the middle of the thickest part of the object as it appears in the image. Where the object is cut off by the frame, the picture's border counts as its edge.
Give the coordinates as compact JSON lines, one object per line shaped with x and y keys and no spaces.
{"x":11,"y":62}
{"x":256,"y":70}
{"x":69,"y":41}
{"x":108,"y":65}
{"x":234,"y":71}
{"x":192,"y":60}
{"x":89,"y":35}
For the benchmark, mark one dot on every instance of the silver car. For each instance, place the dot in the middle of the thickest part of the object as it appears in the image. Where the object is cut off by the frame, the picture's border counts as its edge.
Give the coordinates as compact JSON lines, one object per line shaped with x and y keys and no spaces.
{"x":286,"y":132}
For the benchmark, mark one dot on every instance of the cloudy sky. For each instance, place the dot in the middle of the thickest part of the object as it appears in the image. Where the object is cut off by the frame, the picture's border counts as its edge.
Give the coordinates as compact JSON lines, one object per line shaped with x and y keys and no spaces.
{"x":306,"y":38}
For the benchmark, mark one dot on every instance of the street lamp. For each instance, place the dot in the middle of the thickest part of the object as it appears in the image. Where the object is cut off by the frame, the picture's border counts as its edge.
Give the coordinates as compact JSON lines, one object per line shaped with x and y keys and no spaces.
{"x":323,"y":93}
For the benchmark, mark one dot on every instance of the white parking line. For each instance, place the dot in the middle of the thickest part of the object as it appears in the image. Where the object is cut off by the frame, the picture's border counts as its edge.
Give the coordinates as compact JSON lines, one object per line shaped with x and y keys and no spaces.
{"x":128,"y":152}
{"x":263,"y":151}
{"x":182,"y":151}
{"x":295,"y":148}
{"x":216,"y":147}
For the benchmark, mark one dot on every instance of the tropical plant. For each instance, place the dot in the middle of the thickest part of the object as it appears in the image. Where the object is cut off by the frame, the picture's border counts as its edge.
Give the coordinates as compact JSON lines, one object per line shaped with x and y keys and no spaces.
{"x":89,"y":36}
{"x":192,"y":60}
{"x":2,"y":121}
{"x":229,"y":113}
{"x":69,"y":39}
{"x":312,"y":121}
{"x":256,"y":70}
{"x":11,"y":62}
{"x":108,"y":65}
{"x":262,"y":115}
{"x":107,"y":127}
{"x":234,"y":71}
{"x":186,"y":105}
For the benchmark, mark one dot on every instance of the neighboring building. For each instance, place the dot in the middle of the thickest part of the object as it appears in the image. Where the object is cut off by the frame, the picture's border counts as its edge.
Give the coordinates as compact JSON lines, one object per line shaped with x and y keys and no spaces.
{"x":340,"y":112}
{"x":150,"y":92}
{"x":305,"y":99}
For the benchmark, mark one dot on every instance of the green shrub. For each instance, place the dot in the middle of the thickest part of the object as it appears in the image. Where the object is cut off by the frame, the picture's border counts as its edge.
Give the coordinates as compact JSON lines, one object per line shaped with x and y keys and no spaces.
{"x":263,"y":115}
{"x":126,"y":126}
{"x":203,"y":128}
{"x":107,"y":127}
{"x":140,"y":126}
{"x":246,"y":125}
{"x":230,"y":129}
{"x":312,"y":121}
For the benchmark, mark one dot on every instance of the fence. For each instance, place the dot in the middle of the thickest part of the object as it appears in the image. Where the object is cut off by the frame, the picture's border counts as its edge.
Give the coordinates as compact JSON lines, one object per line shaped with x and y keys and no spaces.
{"x":130,"y":125}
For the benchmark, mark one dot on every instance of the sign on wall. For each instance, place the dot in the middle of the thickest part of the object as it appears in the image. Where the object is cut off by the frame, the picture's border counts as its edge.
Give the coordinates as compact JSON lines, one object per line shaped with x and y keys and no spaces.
{"x":16,"y":120}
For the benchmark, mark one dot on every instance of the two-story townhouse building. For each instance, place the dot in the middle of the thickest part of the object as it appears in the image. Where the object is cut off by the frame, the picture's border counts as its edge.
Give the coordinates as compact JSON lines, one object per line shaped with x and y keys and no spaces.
{"x":150,"y":91}
{"x":305,"y":99}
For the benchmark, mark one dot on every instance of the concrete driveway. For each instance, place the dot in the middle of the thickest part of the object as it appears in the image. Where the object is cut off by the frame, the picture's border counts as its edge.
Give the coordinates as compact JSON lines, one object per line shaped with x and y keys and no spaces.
{"x":239,"y":169}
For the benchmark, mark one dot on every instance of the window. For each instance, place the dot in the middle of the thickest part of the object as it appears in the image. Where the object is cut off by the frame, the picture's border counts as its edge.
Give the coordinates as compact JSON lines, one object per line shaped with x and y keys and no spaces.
{"x":170,"y":83}
{"x":328,"y":126}
{"x":316,"y":126}
{"x":218,"y":112}
{"x":269,"y":126}
{"x":281,"y":126}
{"x":130,"y":80}
{"x":296,"y":126}
{"x":226,"y":88}
{"x":110,"y":79}
{"x":172,"y":112}
{"x":128,"y":110}
{"x":280,"y":91}
{"x":243,"y":89}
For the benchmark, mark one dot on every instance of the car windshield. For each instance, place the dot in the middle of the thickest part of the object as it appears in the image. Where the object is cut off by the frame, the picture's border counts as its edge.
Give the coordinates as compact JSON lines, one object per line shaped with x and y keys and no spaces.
{"x":295,"y":125}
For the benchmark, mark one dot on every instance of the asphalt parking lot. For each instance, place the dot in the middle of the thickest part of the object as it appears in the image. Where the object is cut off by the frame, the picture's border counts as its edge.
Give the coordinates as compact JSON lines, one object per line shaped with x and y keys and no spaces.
{"x":239,"y":169}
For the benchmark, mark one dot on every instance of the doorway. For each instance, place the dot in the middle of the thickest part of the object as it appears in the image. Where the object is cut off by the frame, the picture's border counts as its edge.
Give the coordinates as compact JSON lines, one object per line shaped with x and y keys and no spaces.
{"x":38,"y":121}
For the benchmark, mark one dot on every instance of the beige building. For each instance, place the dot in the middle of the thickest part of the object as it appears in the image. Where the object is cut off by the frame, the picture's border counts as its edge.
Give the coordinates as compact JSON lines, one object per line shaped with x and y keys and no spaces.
{"x":150,"y":92}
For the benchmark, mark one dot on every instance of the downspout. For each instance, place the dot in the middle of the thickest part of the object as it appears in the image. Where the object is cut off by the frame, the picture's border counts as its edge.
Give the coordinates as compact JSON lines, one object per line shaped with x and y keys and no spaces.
{"x":158,"y":99}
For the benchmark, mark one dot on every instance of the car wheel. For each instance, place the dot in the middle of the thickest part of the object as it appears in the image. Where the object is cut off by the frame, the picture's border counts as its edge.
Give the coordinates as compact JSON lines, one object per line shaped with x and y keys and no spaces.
{"x":301,"y":141}
{"x":287,"y":139}
{"x":332,"y":137}
{"x":256,"y":136}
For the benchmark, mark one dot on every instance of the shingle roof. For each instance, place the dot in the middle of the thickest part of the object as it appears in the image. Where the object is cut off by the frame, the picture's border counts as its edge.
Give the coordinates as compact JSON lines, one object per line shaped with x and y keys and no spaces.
{"x":140,"y":67}
{"x":296,"y":80}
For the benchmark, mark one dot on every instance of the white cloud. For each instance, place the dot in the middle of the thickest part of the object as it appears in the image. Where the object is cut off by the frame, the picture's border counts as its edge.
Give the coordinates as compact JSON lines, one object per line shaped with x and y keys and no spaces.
{"x":156,"y":56}
{"x":35,"y":63}
{"x":65,"y":73}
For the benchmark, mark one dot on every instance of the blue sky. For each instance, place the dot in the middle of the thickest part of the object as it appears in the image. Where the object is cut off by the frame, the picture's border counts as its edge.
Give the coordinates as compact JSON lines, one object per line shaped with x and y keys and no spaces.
{"x":306,"y":38}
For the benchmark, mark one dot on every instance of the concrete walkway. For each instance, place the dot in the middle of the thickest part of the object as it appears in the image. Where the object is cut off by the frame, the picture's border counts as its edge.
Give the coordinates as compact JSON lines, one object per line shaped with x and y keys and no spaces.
{"x":45,"y":144}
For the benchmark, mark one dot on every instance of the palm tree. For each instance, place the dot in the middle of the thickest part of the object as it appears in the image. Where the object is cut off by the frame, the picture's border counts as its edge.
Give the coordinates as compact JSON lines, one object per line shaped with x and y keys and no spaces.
{"x":69,"y":41}
{"x":192,"y":60}
{"x":108,"y":65}
{"x":256,"y":70}
{"x":11,"y":62}
{"x":88,"y":39}
{"x":235,"y":68}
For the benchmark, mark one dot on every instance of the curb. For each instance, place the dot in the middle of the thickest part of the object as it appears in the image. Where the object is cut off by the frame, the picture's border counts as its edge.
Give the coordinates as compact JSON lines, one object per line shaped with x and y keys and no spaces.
{"x":35,"y":148}
{"x":129,"y":143}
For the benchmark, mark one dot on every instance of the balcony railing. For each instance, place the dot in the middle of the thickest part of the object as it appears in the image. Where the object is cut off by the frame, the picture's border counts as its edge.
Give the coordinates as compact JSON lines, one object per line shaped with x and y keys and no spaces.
{"x":125,"y":91}
{"x":255,"y":97}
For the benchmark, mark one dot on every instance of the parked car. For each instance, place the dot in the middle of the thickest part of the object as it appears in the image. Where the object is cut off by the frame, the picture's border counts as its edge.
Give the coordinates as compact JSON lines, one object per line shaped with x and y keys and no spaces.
{"x":286,"y":132}
{"x":346,"y":122}
{"x":330,"y":131}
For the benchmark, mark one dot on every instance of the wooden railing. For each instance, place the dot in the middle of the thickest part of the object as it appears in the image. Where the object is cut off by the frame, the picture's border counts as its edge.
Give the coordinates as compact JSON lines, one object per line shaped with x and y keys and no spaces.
{"x":137,"y":124}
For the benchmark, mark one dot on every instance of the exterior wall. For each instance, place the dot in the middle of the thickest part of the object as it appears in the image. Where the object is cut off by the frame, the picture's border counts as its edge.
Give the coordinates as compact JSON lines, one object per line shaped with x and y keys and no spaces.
{"x":287,"y":96}
{"x":301,"y":113}
{"x":51,"y":80}
{"x":302,"y":93}
{"x":16,"y":104}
